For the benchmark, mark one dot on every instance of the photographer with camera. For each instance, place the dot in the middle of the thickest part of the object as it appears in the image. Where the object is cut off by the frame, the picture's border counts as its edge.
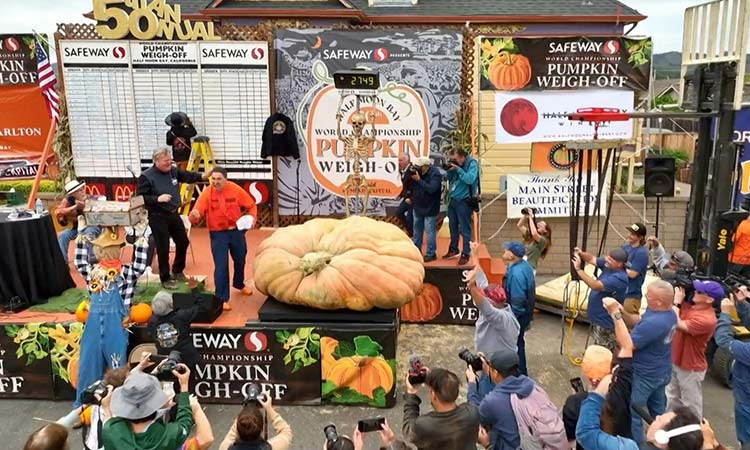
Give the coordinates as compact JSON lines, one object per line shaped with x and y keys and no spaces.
{"x":246,"y":433}
{"x":636,"y":266}
{"x":740,"y":350}
{"x":404,"y":211}
{"x":447,"y":426}
{"x":537,"y":236}
{"x":463,"y":178}
{"x":696,"y":322}
{"x":663,"y":262}
{"x":335,"y":441}
{"x":520,"y":288}
{"x":133,"y":414}
{"x":426,"y":182}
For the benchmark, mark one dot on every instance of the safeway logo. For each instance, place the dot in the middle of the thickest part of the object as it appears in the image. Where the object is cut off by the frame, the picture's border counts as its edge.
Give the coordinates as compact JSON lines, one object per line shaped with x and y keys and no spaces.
{"x":611,"y":47}
{"x":258,"y":190}
{"x":118,"y":52}
{"x":11,"y":44}
{"x":256,"y":341}
{"x":257,"y":53}
{"x":380,"y":54}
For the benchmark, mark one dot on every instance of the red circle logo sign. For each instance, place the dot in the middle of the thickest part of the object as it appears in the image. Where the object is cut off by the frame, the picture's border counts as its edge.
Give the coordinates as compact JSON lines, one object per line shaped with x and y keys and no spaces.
{"x":611,"y":47}
{"x":380,"y":54}
{"x":519,"y":117}
{"x":255,"y":341}
{"x":11,"y":44}
{"x":257,"y":53}
{"x":118,"y":52}
{"x":258,"y":190}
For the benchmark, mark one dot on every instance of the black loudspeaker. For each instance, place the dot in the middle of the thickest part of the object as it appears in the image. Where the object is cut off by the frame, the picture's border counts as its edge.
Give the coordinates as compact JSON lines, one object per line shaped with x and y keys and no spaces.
{"x":211,"y":305}
{"x":659,"y":176}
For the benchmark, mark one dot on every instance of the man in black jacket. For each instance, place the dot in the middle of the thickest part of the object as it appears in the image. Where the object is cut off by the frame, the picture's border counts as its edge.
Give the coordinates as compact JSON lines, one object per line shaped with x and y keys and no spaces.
{"x":448,"y":426}
{"x":160,"y":187}
{"x":404,"y":212}
{"x":178,"y":137}
{"x":425,"y":197}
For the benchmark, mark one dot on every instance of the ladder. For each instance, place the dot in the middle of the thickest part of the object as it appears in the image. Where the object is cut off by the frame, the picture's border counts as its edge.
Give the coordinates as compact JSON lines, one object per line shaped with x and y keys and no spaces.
{"x":200,"y":152}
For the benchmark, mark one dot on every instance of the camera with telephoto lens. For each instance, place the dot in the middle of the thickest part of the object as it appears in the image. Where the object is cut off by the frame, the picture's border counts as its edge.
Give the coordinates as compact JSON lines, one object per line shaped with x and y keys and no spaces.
{"x":254,"y":395}
{"x":171,"y":363}
{"x":447,"y":165}
{"x":97,"y":388}
{"x":471,"y":360}
{"x":733,"y":282}
{"x":331,"y":434}
{"x":528,"y":211}
{"x":682,"y":278}
{"x":412,"y":170}
{"x":417,"y":371}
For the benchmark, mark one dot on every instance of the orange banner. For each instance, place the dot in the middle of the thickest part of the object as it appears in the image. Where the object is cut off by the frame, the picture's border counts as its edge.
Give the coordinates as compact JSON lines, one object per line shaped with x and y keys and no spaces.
{"x":24,"y":124}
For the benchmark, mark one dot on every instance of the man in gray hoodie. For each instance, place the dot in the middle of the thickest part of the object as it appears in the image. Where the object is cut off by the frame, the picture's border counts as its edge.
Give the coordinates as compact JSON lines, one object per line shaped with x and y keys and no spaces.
{"x":495,"y":409}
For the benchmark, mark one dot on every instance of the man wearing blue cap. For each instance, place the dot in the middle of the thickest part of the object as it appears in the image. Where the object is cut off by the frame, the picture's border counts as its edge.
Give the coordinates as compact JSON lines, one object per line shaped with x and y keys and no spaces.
{"x":695,"y":326}
{"x":740,"y":369}
{"x":520,"y":288}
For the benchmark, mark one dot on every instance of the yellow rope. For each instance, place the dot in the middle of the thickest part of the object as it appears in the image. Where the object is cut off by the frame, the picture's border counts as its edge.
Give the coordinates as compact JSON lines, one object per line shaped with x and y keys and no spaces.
{"x":571,"y":309}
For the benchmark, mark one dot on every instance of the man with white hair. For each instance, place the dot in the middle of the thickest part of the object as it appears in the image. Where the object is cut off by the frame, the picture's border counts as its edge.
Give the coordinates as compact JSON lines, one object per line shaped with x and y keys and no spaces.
{"x":426,"y":205}
{"x":160,"y":187}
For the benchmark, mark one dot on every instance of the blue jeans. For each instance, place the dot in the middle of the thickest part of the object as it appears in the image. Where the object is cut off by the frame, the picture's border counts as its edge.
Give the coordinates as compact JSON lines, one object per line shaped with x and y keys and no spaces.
{"x":459,"y":221}
{"x":647,"y":393}
{"x":425,"y":224}
{"x":742,"y":421}
{"x":404,"y":212}
{"x":524,"y":320}
{"x":223,"y":244}
{"x":68,"y":235}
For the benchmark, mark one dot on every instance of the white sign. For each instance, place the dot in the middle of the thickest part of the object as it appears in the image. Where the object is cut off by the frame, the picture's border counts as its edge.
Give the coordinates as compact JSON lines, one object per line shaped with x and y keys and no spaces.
{"x":94,"y":52}
{"x":239,"y":53}
{"x":550,"y":195}
{"x":526,"y":117}
{"x":162,"y":53}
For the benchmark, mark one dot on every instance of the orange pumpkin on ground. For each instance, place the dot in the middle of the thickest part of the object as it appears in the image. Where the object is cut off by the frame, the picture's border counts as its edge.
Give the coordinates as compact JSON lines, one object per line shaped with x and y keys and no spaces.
{"x":356,"y":263}
{"x":82,"y":311}
{"x":509,"y":71}
{"x":327,"y":347}
{"x":140,"y":313}
{"x":427,"y":305}
{"x":73,"y":371}
{"x":361,"y":374}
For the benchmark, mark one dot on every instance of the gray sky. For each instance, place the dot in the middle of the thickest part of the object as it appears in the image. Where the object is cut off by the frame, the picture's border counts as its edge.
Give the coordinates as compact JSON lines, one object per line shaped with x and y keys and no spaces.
{"x":18,"y":16}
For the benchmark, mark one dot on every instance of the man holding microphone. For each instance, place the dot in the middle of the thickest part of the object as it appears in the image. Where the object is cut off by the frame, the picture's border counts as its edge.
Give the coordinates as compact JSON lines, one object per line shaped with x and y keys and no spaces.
{"x":221,"y":204}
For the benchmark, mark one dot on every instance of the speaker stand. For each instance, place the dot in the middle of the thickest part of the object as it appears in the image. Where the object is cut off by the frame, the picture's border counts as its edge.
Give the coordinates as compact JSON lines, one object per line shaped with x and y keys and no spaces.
{"x":658,"y":209}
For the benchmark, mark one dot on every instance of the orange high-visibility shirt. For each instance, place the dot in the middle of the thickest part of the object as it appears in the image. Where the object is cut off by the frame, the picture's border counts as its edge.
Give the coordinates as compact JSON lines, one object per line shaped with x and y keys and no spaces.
{"x":741,"y":250}
{"x":222,"y":209}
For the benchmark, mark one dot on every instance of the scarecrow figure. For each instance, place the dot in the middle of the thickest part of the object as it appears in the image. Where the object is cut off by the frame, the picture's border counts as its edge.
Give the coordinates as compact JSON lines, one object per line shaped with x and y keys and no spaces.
{"x":111,"y":286}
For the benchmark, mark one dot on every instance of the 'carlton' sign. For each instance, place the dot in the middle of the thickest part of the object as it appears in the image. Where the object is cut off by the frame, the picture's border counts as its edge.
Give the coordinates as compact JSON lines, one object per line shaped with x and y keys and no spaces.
{"x":146,"y":20}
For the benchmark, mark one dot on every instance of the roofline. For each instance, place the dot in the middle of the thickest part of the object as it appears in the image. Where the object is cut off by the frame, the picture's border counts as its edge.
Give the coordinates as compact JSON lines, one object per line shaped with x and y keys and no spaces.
{"x":393,"y":19}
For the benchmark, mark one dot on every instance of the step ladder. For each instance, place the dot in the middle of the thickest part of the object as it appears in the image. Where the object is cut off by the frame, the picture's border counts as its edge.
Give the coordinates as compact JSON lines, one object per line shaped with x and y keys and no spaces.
{"x":200,"y":152}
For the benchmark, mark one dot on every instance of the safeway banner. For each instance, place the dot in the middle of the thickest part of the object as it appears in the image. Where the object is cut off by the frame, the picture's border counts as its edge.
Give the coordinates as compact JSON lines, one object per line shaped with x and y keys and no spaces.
{"x":24,"y":124}
{"x":17,"y":59}
{"x":512,"y":64}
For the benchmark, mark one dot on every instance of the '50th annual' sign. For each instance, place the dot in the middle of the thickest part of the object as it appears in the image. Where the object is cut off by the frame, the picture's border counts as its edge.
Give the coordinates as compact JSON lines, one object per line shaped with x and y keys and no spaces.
{"x":145,"y":20}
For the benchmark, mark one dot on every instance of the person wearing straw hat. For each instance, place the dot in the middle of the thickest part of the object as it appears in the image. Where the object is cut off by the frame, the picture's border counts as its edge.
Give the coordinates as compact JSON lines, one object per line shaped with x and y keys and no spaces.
{"x":111,"y":286}
{"x":66,"y":212}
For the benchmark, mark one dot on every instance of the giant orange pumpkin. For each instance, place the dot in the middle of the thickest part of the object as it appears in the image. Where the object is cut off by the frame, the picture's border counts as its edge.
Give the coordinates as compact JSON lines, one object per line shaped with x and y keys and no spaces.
{"x":509,"y":71}
{"x":356,"y":263}
{"x":82,"y":311}
{"x":140,"y":313}
{"x":427,"y":305}
{"x":362,"y":374}
{"x":327,"y":347}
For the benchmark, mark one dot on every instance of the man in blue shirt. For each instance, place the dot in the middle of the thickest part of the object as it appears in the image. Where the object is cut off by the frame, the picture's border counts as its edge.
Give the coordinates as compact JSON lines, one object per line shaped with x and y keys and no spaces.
{"x":652,"y":361}
{"x":612,"y":282}
{"x":740,"y":369}
{"x":636,"y":266}
{"x":425,"y":198}
{"x":520,"y":289}
{"x":463,"y":177}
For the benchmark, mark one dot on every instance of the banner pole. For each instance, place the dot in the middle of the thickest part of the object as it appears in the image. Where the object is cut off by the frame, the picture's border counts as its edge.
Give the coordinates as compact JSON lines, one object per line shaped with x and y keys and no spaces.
{"x":42,"y":163}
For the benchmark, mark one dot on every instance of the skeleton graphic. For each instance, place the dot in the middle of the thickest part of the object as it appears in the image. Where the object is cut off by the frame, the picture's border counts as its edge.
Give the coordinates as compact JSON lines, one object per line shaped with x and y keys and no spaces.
{"x":356,"y":152}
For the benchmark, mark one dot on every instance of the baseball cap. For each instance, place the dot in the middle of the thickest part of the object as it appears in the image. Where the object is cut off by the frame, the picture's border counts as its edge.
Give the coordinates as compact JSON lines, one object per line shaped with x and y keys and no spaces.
{"x":495,"y":293}
{"x":597,"y":362}
{"x":516,"y":248}
{"x":503,"y":361}
{"x":422,"y":161}
{"x":637,"y":228}
{"x":619,"y":255}
{"x":683,"y":259}
{"x":710,"y":288}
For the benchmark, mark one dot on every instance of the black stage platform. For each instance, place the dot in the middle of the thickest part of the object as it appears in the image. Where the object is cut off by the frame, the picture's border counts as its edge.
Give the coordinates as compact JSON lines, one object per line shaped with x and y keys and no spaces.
{"x":274,"y":311}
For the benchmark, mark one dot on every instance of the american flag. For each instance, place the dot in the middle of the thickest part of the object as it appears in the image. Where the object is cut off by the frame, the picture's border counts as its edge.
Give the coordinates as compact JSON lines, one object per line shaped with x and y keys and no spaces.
{"x":47,"y":81}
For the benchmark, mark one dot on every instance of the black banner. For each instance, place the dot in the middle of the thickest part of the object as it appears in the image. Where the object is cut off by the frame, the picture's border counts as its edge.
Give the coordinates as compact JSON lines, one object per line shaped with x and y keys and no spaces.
{"x":18,"y":59}
{"x":511,"y":64}
{"x":25,"y":364}
{"x":444,"y":299}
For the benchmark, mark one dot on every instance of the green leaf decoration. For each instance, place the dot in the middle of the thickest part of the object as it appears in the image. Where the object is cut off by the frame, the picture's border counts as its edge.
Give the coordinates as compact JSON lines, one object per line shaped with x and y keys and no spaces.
{"x":281,"y":336}
{"x":365,"y":346}
{"x":344,"y":349}
{"x":314,"y":348}
{"x":378,"y":398}
{"x":297,"y":366}
{"x":11,"y":330}
{"x":392,"y":363}
{"x":348,"y":396}
{"x":304,"y":333}
{"x":315,"y":336}
{"x":327,"y":388}
{"x":287,"y":359}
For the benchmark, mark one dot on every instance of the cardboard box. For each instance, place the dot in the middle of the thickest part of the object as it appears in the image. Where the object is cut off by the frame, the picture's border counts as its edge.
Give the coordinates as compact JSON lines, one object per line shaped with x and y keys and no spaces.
{"x":111,"y":213}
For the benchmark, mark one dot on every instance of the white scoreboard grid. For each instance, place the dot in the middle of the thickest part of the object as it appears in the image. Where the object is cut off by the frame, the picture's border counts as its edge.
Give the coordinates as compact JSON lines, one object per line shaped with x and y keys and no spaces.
{"x":119,"y":93}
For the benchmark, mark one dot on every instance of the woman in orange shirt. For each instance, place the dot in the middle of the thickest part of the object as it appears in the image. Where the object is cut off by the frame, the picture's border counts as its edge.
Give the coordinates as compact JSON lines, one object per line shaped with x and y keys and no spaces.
{"x":739,"y":259}
{"x":221,"y":204}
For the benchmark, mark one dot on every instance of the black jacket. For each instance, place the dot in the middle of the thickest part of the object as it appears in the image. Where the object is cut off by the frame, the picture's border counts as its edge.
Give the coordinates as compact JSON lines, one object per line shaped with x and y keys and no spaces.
{"x":153,"y":182}
{"x":425,"y":195}
{"x":251,"y":445}
{"x":172,"y":332}
{"x":406,"y":183}
{"x":179,"y":139}
{"x":279,"y":138}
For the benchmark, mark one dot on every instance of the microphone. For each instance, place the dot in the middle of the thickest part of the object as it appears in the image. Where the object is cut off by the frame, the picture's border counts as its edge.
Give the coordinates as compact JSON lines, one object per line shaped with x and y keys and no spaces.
{"x":130,"y":169}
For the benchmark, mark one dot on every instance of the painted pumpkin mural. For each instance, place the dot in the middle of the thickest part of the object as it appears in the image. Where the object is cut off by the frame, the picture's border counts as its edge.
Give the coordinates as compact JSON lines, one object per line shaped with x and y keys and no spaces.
{"x":426,"y":306}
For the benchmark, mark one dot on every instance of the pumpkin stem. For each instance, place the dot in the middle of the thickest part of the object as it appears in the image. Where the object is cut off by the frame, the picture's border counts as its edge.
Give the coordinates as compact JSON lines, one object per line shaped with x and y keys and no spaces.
{"x":508,"y":58}
{"x":314,"y":262}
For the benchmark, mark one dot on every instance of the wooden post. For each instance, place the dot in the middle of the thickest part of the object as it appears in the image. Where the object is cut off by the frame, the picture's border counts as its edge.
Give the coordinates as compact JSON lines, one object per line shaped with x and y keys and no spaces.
{"x":42,"y":163}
